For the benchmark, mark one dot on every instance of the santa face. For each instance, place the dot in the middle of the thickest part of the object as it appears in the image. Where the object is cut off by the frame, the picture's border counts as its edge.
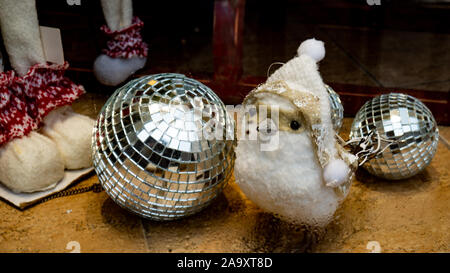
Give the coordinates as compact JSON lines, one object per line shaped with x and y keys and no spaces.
{"x":286,"y":180}
{"x":294,"y":168}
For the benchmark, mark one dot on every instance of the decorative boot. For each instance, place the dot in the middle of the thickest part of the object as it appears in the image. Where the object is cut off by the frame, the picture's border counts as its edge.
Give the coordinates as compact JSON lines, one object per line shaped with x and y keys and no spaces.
{"x":30,"y":161}
{"x":126,"y":52}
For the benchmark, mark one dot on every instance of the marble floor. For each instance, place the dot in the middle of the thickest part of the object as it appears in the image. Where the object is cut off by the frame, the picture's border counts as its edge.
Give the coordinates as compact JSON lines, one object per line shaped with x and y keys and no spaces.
{"x":404,"y":216}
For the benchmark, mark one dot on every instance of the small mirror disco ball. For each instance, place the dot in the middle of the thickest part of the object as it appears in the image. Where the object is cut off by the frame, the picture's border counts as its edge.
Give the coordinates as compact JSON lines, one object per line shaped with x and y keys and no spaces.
{"x":405,"y":121}
{"x":163,"y":146}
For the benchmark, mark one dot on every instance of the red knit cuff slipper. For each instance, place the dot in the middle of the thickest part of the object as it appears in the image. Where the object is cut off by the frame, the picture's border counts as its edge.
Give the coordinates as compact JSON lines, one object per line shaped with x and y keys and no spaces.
{"x":127,"y":42}
{"x":25,"y":101}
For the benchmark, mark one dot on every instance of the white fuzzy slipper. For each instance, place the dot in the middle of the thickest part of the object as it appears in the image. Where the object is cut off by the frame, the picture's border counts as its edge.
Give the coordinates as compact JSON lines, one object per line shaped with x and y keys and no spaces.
{"x":72,"y":134}
{"x":31,"y":163}
{"x":113,"y":71}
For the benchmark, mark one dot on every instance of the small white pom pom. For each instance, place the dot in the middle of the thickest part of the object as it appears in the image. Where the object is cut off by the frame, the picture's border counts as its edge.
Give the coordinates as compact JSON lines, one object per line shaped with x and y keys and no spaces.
{"x":336,"y":173}
{"x":313,"y":48}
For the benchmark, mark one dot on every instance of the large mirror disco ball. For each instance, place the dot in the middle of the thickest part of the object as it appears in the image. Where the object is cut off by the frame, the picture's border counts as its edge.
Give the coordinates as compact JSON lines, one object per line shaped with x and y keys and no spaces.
{"x":163,"y":146}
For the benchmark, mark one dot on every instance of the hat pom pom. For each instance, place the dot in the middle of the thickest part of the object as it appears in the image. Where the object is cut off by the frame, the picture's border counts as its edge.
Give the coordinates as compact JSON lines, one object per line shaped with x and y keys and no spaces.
{"x":335,"y":173}
{"x":313,"y":48}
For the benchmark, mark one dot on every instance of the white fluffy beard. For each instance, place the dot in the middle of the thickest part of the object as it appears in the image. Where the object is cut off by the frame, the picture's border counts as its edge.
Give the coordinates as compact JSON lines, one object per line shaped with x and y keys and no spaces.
{"x":287,"y":181}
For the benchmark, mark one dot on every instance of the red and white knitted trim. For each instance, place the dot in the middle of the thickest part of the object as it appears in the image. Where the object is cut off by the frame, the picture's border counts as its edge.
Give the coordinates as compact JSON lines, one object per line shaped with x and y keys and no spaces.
{"x":25,"y":101}
{"x":127,"y":42}
{"x":14,"y":118}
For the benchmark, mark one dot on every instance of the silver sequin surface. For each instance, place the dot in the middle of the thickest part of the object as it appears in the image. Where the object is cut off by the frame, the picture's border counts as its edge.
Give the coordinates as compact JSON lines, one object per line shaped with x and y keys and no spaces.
{"x":163,"y":146}
{"x":409,"y":124}
{"x":337,"y":110}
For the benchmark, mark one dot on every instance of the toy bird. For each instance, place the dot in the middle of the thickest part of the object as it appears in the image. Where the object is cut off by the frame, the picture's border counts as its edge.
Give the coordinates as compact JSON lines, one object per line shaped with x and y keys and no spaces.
{"x":295,"y":168}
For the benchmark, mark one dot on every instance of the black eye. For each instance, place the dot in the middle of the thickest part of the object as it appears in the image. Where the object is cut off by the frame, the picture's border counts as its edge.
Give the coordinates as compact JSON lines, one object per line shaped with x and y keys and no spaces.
{"x":295,"y":125}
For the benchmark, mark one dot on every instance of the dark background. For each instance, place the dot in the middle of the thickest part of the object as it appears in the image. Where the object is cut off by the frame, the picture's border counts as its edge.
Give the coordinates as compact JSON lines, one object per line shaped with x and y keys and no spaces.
{"x":371,"y":49}
{"x":178,"y":31}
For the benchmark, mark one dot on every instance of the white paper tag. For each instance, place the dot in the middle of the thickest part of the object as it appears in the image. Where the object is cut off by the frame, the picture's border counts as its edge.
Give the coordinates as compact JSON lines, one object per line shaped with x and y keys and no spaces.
{"x":52,"y":44}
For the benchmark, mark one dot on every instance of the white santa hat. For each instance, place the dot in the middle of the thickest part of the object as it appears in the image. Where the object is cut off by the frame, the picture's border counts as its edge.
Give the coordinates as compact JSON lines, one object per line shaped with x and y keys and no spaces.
{"x":301,"y":73}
